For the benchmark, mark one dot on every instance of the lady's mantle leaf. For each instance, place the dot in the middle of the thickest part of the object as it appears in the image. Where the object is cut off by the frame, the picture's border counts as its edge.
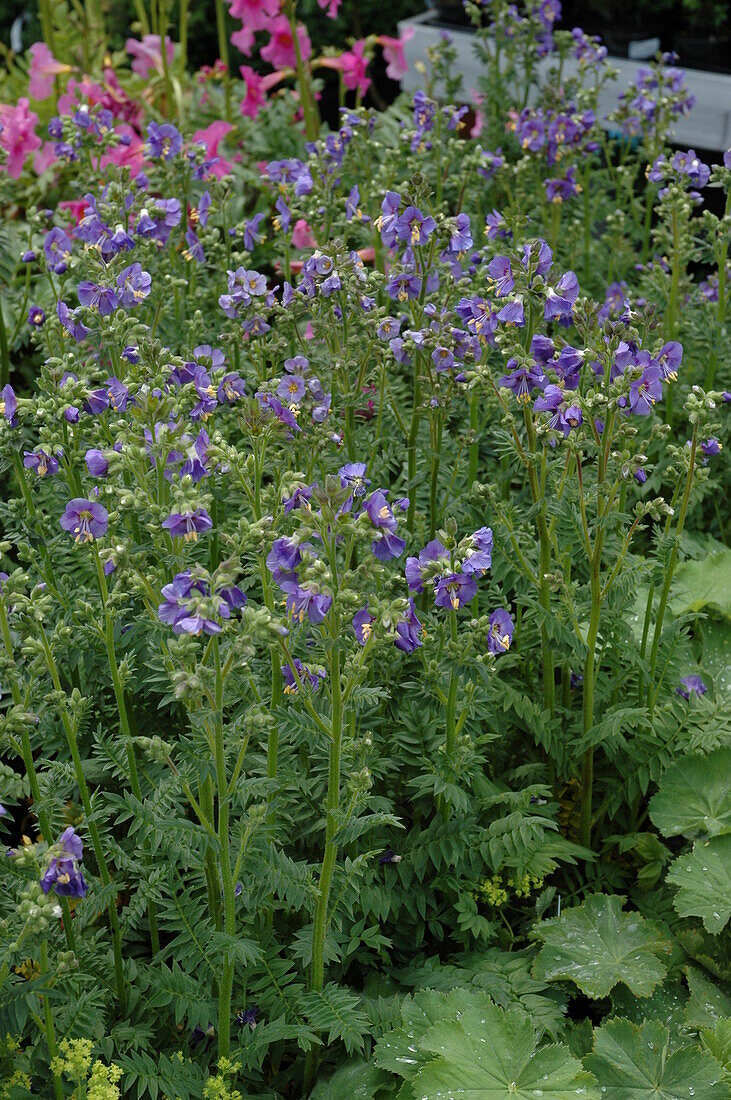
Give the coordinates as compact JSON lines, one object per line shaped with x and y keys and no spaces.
{"x":704,"y":878}
{"x":493,"y":1055}
{"x":695,"y":796}
{"x":636,"y":1063}
{"x":596,"y":946}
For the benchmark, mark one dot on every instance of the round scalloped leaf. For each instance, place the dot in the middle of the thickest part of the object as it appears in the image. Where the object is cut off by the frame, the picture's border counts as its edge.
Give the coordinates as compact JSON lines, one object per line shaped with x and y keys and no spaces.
{"x":704,"y":880}
{"x":636,"y":1063}
{"x":597,"y":945}
{"x":399,"y":1051}
{"x":493,"y":1054}
{"x":695,"y":796}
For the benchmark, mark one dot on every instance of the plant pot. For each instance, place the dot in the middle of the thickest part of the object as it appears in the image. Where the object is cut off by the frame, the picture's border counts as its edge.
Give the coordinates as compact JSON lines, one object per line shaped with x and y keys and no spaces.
{"x":451,"y":12}
{"x":640,"y":45}
{"x":704,"y":51}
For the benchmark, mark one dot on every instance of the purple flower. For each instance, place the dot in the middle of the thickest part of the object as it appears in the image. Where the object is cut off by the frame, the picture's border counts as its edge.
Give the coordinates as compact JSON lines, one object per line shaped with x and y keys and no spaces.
{"x":41,"y":462}
{"x":522,"y":380}
{"x":363,"y":625}
{"x":502,"y":275}
{"x":283,"y":559}
{"x":96,"y":463}
{"x":62,"y":872}
{"x":352,"y":476}
{"x":191,"y":607}
{"x":560,"y":301}
{"x":408,"y":631}
{"x":291,"y":389}
{"x":85,"y":519}
{"x":252,"y":236}
{"x":303,"y":601}
{"x":36,"y":316}
{"x":711,"y":447}
{"x":67,"y":317}
{"x":414,"y":227}
{"x":415,"y":567}
{"x":645,"y":391}
{"x":93,"y":296}
{"x":669,"y":359}
{"x":230,"y":389}
{"x":500,"y":632}
{"x":133,"y":285}
{"x":380,"y":513}
{"x":404,"y":287}
{"x":512,"y":312}
{"x":455,"y":590}
{"x":57,"y":248}
{"x":8,"y":404}
{"x":305,"y":675}
{"x":691,"y":685}
{"x":163,"y":140}
{"x":479,"y":558}
{"x":188,"y":525}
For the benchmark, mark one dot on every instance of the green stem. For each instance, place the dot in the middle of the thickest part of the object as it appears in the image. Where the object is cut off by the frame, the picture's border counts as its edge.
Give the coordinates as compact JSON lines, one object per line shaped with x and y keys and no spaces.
{"x":229,"y":889}
{"x":96,"y":843}
{"x":48,"y":1024}
{"x":332,"y":804}
{"x":124,"y":723}
{"x":30,"y":769}
{"x":223,"y":53}
{"x":653,"y":690}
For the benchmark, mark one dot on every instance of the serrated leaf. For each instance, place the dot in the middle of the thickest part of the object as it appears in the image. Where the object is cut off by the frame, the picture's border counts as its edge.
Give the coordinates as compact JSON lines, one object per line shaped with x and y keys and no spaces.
{"x":493,"y":1054}
{"x":717,"y":1042}
{"x":636,"y":1063}
{"x":353,"y":1081}
{"x":695,"y":796}
{"x":597,"y":945}
{"x":399,"y":1051}
{"x":704,"y":583}
{"x":708,"y":1002}
{"x":704,"y":881}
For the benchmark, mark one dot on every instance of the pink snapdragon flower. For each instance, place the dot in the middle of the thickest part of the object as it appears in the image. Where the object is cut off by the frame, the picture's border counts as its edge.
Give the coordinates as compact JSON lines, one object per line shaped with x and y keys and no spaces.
{"x":279,"y":50}
{"x":243,"y":40}
{"x":393,"y":51}
{"x":256,"y":88}
{"x":330,"y":6}
{"x":18,"y":137}
{"x":80,"y":91}
{"x":353,"y":64}
{"x":44,"y":157}
{"x":43,"y":68}
{"x":131,"y":155}
{"x":302,"y":235}
{"x":256,"y":15}
{"x":355,"y":68}
{"x":210,"y":137}
{"x":147,"y":54}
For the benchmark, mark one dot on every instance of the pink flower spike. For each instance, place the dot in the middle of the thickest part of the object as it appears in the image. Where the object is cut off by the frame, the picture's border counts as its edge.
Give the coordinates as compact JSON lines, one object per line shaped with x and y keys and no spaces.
{"x":243,"y":40}
{"x":211,"y":136}
{"x":302,"y":235}
{"x":393,"y":51}
{"x":147,"y":54}
{"x":256,"y":15}
{"x":18,"y":137}
{"x":279,"y":50}
{"x":355,"y":66}
{"x":330,"y":6}
{"x":43,"y":68}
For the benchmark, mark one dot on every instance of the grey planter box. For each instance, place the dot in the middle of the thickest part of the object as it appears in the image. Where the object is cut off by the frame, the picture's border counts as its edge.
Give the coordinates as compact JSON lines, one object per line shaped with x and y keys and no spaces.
{"x":707,"y":126}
